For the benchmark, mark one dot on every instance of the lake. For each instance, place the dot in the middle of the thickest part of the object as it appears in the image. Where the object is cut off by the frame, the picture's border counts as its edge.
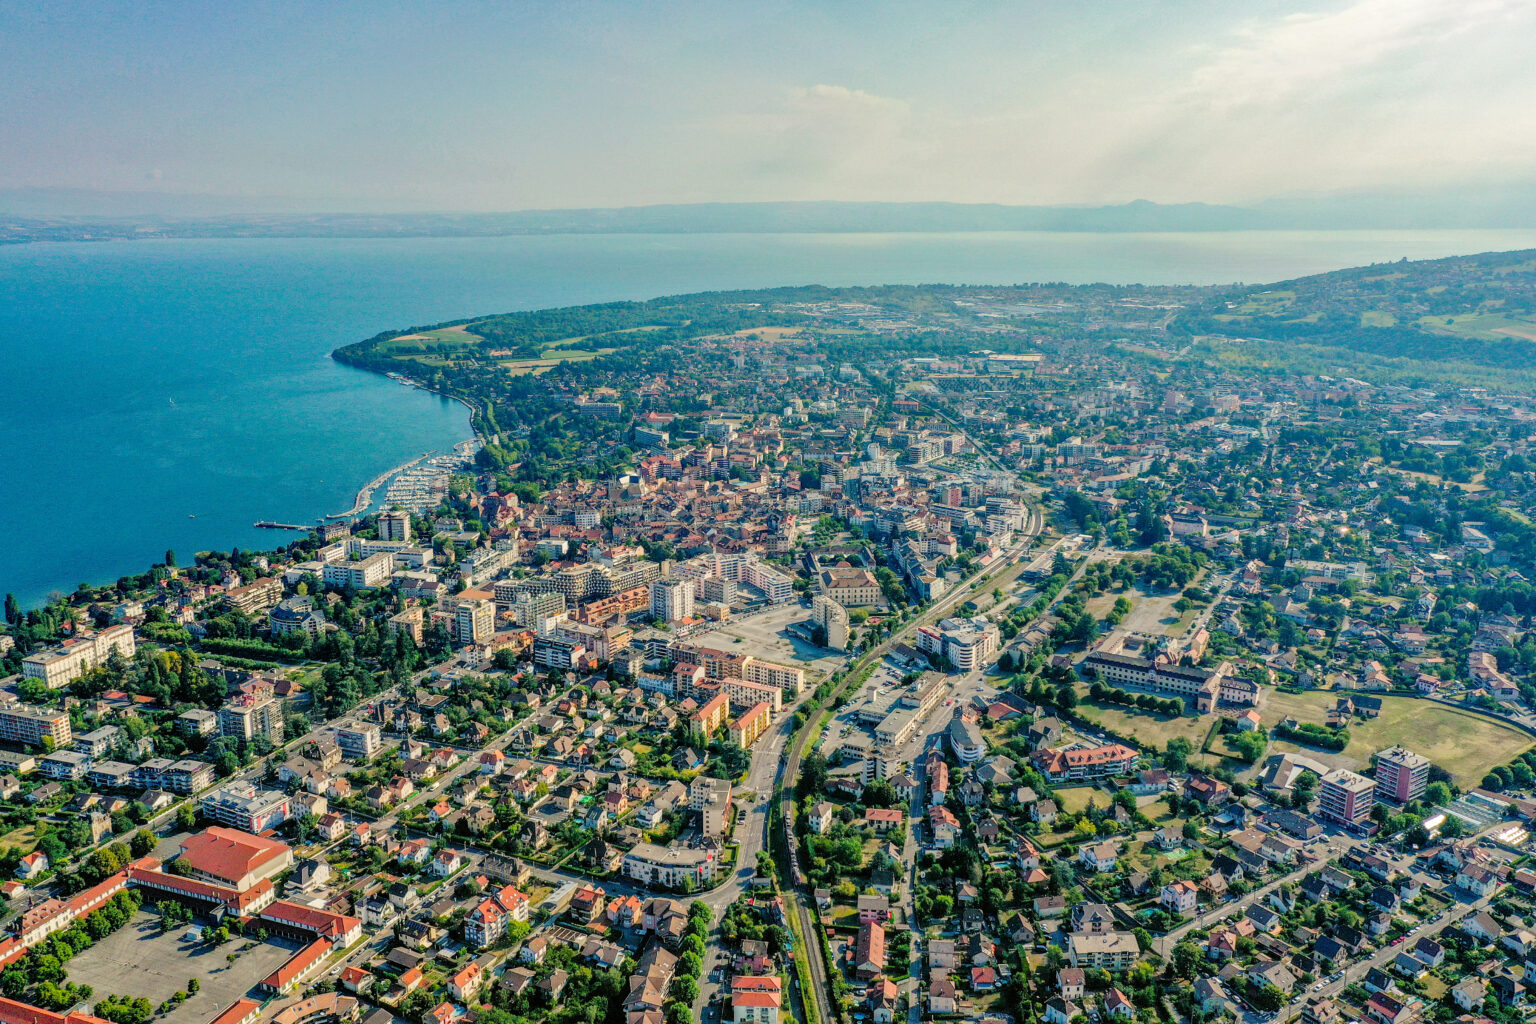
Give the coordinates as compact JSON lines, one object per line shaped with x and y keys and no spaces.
{"x":169,"y":394}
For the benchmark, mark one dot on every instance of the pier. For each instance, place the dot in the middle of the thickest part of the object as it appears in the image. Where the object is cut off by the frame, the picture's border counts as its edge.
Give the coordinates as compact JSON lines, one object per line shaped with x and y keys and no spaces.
{"x":265,"y":525}
{"x":365,"y":494}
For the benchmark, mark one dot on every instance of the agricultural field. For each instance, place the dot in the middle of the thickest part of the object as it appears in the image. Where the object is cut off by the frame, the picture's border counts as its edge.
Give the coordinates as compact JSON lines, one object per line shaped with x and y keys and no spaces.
{"x":1487,"y":326}
{"x":1463,"y":743}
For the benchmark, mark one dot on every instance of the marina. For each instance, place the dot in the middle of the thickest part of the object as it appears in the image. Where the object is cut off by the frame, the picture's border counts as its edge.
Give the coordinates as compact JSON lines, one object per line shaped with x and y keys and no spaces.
{"x":365,"y":493}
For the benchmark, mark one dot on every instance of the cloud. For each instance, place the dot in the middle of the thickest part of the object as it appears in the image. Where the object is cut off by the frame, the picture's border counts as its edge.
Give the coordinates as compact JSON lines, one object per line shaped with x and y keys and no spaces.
{"x":1302,"y":54}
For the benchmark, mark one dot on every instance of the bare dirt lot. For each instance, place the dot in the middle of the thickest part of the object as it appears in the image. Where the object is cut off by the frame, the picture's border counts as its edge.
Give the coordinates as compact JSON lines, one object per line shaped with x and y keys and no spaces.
{"x":138,"y":960}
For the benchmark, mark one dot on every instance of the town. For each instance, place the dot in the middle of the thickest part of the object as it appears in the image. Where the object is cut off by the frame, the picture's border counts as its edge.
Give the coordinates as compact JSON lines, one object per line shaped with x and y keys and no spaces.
{"x":884,"y":655}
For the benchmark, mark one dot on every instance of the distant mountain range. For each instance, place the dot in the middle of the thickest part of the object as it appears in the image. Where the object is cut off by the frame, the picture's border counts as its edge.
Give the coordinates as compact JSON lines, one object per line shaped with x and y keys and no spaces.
{"x":28,"y":215}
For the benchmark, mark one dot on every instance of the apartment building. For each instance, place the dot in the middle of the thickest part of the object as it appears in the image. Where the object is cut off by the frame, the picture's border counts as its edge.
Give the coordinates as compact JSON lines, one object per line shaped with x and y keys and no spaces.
{"x":711,"y":800}
{"x":62,"y":664}
{"x":745,"y":730}
{"x":358,"y":740}
{"x":1401,"y":775}
{"x":249,"y":715}
{"x":712,"y":715}
{"x":674,"y":866}
{"x":256,"y":596}
{"x":474,"y":621}
{"x":966,"y":643}
{"x":672,"y":600}
{"x":1345,"y":797}
{"x":243,"y":806}
{"x":833,"y":619}
{"x":364,"y":574}
{"x":395,"y":525}
{"x":35,"y":727}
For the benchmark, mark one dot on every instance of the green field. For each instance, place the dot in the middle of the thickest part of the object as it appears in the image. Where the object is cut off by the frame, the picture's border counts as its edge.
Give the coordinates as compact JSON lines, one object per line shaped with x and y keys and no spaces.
{"x":1075,"y":800}
{"x":19,"y":839}
{"x":1487,"y":326}
{"x":1148,"y":728}
{"x":1463,"y":743}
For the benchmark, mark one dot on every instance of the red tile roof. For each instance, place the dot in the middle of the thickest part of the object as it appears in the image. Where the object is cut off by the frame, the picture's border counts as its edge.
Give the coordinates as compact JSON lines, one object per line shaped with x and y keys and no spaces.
{"x":228,"y":854}
{"x":297,"y":965}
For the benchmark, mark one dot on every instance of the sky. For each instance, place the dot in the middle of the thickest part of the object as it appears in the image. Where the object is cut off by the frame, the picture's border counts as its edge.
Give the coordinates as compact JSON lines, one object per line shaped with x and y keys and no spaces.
{"x":523,"y":104}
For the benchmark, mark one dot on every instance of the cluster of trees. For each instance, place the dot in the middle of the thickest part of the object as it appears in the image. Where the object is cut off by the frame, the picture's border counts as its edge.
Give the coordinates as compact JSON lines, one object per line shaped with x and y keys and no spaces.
{"x":126,"y":1009}
{"x":46,"y":963}
{"x":1170,"y":706}
{"x":1312,"y":734}
{"x":1517,"y":774}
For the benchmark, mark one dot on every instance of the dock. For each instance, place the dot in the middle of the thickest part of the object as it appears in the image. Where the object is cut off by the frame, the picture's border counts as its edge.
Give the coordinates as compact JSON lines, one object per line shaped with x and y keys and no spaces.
{"x":265,"y":525}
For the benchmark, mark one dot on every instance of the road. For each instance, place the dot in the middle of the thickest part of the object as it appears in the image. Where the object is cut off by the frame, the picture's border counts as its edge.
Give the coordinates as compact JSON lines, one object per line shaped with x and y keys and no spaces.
{"x":796,"y":903}
{"x":1335,"y":846}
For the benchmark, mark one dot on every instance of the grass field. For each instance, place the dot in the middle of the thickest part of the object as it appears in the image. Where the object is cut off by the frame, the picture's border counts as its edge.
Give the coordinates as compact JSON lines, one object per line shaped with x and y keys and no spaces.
{"x":1076,"y":799}
{"x":18,"y":839}
{"x":1487,"y":326}
{"x":409,"y":343}
{"x":1463,"y":743}
{"x":1148,"y":728}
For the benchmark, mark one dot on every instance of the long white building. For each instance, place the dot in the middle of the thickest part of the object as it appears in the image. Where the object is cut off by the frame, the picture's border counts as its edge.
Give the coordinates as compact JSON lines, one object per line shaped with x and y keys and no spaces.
{"x":62,"y":665}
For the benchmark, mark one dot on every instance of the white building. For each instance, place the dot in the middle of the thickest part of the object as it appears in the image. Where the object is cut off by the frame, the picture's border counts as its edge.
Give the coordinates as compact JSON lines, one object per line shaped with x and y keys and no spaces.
{"x":364,"y":574}
{"x":672,"y":600}
{"x":58,"y":666}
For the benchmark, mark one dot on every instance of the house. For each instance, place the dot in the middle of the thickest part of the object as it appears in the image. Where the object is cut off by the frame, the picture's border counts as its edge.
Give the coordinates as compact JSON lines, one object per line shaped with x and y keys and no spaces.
{"x":983,"y":979}
{"x":1470,"y":994}
{"x":1180,"y":897}
{"x":464,"y":985}
{"x":882,"y":996}
{"x":1211,"y":996}
{"x":446,"y":863}
{"x":1387,"y":1009}
{"x":32,"y":865}
{"x":1061,"y":1011}
{"x":941,"y":997}
{"x":821,"y":816}
{"x":1099,"y":856}
{"x":1070,"y":982}
{"x":1482,"y":927}
{"x":1272,"y":972}
{"x":869,"y":952}
{"x":1117,"y":1005}
{"x":874,"y":907}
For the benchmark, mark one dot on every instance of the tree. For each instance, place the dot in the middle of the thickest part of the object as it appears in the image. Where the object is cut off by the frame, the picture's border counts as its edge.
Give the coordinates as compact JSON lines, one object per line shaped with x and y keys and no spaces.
{"x":12,"y":609}
{"x":685,"y":990}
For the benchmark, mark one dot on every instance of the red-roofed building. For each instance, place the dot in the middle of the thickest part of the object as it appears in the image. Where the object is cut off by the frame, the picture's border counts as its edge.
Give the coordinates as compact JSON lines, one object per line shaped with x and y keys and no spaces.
{"x":238,"y":860}
{"x":485,"y":924}
{"x":869,"y":954}
{"x":14,"y":1012}
{"x":1084,"y":763}
{"x":466,"y":983}
{"x":299,"y":968}
{"x":147,"y":873}
{"x":242,"y":1011}
{"x":755,"y":1007}
{"x":338,"y":928}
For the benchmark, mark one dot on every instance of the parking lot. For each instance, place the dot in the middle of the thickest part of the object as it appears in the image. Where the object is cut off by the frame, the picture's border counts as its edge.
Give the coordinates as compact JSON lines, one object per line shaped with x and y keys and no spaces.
{"x":139,"y":960}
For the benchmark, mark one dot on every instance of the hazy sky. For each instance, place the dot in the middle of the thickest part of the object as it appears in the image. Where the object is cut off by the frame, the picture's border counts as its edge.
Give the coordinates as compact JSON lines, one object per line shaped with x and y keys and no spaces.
{"x":460,"y":106}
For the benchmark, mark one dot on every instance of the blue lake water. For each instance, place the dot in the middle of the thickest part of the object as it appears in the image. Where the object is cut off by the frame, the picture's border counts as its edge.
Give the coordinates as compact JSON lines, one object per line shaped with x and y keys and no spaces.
{"x":169,"y":394}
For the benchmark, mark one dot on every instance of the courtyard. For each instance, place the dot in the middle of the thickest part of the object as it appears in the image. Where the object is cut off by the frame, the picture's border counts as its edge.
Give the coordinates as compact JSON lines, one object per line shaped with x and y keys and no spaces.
{"x":140,"y":960}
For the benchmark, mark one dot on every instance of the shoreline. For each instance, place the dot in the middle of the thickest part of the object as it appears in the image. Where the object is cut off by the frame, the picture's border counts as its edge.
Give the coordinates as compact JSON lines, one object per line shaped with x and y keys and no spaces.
{"x":229,"y":542}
